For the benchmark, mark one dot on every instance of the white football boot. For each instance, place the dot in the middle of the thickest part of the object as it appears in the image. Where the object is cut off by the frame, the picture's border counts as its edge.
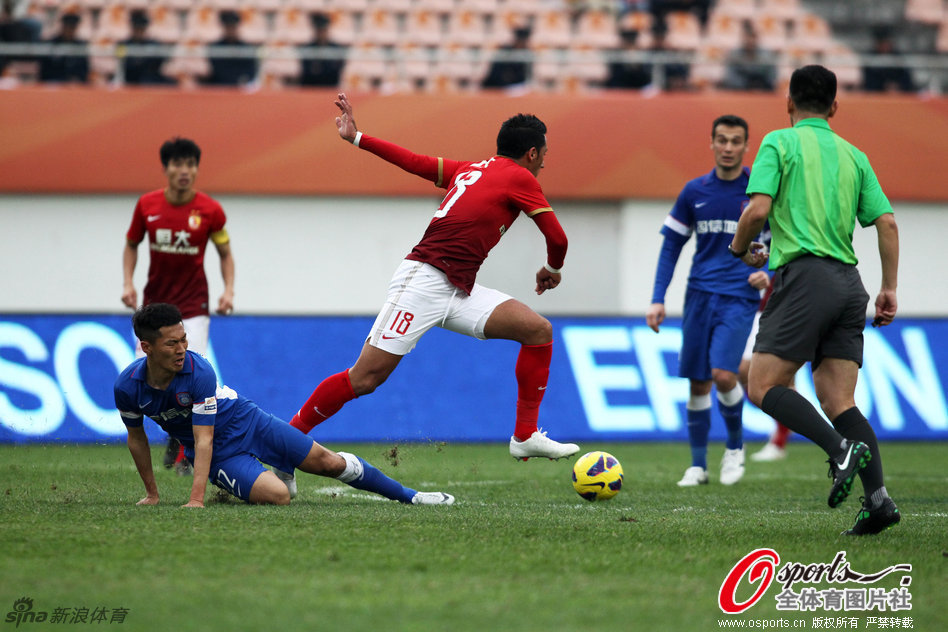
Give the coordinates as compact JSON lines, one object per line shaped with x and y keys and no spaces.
{"x":770,"y":452}
{"x":693,"y":477}
{"x":432,"y":498}
{"x":540,"y":445}
{"x":732,"y":466}
{"x":289,"y":479}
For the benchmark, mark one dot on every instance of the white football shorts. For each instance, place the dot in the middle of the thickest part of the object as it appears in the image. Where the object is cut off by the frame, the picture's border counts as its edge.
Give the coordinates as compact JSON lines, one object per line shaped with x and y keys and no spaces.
{"x":421,"y":297}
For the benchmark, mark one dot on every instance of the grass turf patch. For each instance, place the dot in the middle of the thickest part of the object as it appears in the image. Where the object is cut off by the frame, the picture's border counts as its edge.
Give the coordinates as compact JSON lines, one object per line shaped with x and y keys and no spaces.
{"x":518,"y":551}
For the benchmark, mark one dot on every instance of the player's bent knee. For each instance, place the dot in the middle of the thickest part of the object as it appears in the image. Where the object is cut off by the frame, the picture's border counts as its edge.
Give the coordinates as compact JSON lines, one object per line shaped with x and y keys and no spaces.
{"x":269,"y":490}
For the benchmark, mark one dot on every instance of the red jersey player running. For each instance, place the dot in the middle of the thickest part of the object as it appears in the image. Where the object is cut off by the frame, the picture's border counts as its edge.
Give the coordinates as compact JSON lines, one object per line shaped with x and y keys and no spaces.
{"x":435,"y":284}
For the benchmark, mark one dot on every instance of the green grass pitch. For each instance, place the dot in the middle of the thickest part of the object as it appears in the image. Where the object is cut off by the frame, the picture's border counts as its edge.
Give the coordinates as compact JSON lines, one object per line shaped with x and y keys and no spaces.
{"x":518,"y":551}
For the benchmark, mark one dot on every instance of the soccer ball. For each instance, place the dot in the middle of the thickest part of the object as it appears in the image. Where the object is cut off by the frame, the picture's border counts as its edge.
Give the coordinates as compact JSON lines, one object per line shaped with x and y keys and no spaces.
{"x":597,"y":476}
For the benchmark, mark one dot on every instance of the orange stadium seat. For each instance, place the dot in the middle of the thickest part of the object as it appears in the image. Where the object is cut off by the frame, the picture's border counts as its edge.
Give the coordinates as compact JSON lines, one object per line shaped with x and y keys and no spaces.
{"x":458,"y":69}
{"x":165,"y":24}
{"x":724,"y":31}
{"x":811,"y":33}
{"x":188,"y":62}
{"x":441,"y":7}
{"x":202,"y":25}
{"x":941,"y":40}
{"x":741,"y":9}
{"x":781,"y":9}
{"x":113,"y":24}
{"x":412,"y":66}
{"x":253,"y":26}
{"x":342,"y":27}
{"x":279,"y":65}
{"x":708,"y":69}
{"x":398,"y":7}
{"x":771,"y":32}
{"x":486,"y":7}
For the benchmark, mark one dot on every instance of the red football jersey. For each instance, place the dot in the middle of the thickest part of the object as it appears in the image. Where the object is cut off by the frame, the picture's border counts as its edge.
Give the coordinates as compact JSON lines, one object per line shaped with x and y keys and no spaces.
{"x":177,"y":239}
{"x":483,"y":200}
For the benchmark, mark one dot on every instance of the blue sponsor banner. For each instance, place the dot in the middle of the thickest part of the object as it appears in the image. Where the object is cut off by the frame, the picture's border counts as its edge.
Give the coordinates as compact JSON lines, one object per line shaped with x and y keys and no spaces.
{"x":611,"y":379}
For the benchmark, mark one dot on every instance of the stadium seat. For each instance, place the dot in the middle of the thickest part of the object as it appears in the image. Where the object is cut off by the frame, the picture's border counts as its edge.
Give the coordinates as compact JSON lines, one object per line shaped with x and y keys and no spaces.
{"x":202,"y":25}
{"x":366,"y":69}
{"x":253,"y":26}
{"x":280,"y":64}
{"x":165,"y":24}
{"x":342,"y":27}
{"x":380,"y":28}
{"x":586,"y":69}
{"x":291,"y":24}
{"x":684,"y":30}
{"x":484,"y":7}
{"x":188,"y":62}
{"x":265,"y":6}
{"x":724,"y":31}
{"x":412,"y":67}
{"x":740,"y":9}
{"x":771,"y":32}
{"x":113,"y":24}
{"x":440,"y":7}
{"x":641,"y":22}
{"x":780,"y":9}
{"x":466,"y":28}
{"x":456,"y":69}
{"x":842,"y":60}
{"x":423,"y":28}
{"x":552,"y":29}
{"x":524,"y":8}
{"x":811,"y":33}
{"x":926,"y":11}
{"x":708,"y":68}
{"x":596,"y":29}
{"x":941,"y":40}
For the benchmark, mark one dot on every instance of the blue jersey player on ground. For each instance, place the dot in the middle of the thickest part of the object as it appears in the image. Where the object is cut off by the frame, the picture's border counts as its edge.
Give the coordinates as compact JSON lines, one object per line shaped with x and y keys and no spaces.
{"x":223,"y":433}
{"x":721,"y":297}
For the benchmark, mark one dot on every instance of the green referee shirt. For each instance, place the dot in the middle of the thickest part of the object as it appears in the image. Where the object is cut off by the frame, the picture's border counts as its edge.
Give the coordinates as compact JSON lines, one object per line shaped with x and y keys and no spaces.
{"x":820,"y":185}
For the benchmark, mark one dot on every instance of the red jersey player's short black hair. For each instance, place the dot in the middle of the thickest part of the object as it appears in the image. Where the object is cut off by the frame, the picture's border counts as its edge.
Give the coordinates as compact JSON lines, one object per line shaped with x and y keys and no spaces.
{"x":813,"y":89}
{"x":149,"y":319}
{"x":177,"y":148}
{"x":519,"y":134}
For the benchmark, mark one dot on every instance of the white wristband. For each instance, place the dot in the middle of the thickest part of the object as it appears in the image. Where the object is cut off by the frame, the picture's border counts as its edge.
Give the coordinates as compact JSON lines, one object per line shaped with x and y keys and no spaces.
{"x":553,"y":270}
{"x":355,"y":141}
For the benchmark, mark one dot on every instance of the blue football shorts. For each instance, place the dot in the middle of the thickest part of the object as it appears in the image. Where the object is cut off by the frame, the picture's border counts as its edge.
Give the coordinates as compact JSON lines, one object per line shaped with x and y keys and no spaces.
{"x":714,"y":333}
{"x":236,"y":466}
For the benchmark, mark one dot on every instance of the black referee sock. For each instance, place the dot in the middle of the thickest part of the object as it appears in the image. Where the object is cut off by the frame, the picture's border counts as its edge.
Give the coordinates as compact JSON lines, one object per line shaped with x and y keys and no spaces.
{"x":854,"y":426}
{"x":793,"y":410}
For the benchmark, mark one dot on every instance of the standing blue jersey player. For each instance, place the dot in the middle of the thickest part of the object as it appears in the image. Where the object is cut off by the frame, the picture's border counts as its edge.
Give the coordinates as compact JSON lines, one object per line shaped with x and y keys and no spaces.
{"x":223,"y":433}
{"x":720,"y":300}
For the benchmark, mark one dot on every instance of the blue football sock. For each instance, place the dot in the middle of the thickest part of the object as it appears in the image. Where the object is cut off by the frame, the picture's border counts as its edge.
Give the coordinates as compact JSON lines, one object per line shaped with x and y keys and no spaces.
{"x":732,"y":421}
{"x":699,"y":425}
{"x":373,"y":480}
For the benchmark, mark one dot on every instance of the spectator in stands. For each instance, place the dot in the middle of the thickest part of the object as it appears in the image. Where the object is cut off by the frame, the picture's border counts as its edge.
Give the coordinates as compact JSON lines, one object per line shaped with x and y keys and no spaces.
{"x":749,"y":67}
{"x":505,"y":72}
{"x":668,"y":76}
{"x":16,"y":28}
{"x":628,"y":74}
{"x":71,"y":66}
{"x":139,"y":69}
{"x":233,"y":69}
{"x":888,"y":78}
{"x":326,"y":69}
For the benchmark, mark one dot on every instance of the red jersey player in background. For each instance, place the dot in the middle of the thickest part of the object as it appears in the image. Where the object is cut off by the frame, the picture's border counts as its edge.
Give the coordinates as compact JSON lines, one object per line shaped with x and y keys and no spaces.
{"x":179,"y":220}
{"x":435,"y":284}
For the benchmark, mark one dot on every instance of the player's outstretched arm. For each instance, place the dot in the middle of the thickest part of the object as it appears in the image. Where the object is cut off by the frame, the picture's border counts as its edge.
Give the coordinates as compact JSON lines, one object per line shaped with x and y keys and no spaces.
{"x":141,"y":455}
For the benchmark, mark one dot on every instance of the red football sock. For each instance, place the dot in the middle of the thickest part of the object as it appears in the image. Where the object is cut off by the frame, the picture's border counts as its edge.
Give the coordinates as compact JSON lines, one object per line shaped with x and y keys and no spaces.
{"x":780,"y":436}
{"x":331,"y":395}
{"x":532,"y":371}
{"x":180,"y":456}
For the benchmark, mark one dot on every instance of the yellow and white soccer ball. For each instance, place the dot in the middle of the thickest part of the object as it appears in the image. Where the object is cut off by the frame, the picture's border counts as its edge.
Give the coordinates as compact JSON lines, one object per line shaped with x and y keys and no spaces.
{"x":597,"y":476}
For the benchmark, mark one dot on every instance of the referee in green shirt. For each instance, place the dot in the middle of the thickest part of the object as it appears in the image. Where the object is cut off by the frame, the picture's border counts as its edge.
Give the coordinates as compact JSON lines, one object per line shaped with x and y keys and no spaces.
{"x":814,"y":186}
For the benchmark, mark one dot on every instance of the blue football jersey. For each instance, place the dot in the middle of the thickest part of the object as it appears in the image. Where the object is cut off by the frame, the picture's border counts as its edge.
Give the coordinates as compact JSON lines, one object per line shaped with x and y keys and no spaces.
{"x":710,"y":208}
{"x":192,"y":398}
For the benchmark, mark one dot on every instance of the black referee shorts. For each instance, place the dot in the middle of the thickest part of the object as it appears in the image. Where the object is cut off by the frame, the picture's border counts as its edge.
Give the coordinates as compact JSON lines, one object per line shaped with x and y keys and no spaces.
{"x":817,"y":310}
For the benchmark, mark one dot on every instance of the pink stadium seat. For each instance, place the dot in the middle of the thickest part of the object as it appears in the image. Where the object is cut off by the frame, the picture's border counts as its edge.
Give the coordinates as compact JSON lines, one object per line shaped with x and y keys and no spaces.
{"x":741,"y":9}
{"x":466,"y":28}
{"x":423,"y":28}
{"x":552,"y":29}
{"x":412,"y":66}
{"x":188,"y":62}
{"x":342,"y":27}
{"x":456,"y":69}
{"x":781,"y":9}
{"x":398,"y":7}
{"x":684,"y":31}
{"x":941,"y":40}
{"x":771,"y":32}
{"x":927,"y":11}
{"x":486,"y":7}
{"x":292,"y":25}
{"x":165,"y":25}
{"x":811,"y":33}
{"x":596,"y":29}
{"x":708,"y":68}
{"x":524,"y":8}
{"x":280,"y":64}
{"x":441,"y":7}
{"x":366,"y":69}
{"x":202,"y":25}
{"x":113,"y":24}
{"x":253,"y":26}
{"x":724,"y":31}
{"x":379,"y":28}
